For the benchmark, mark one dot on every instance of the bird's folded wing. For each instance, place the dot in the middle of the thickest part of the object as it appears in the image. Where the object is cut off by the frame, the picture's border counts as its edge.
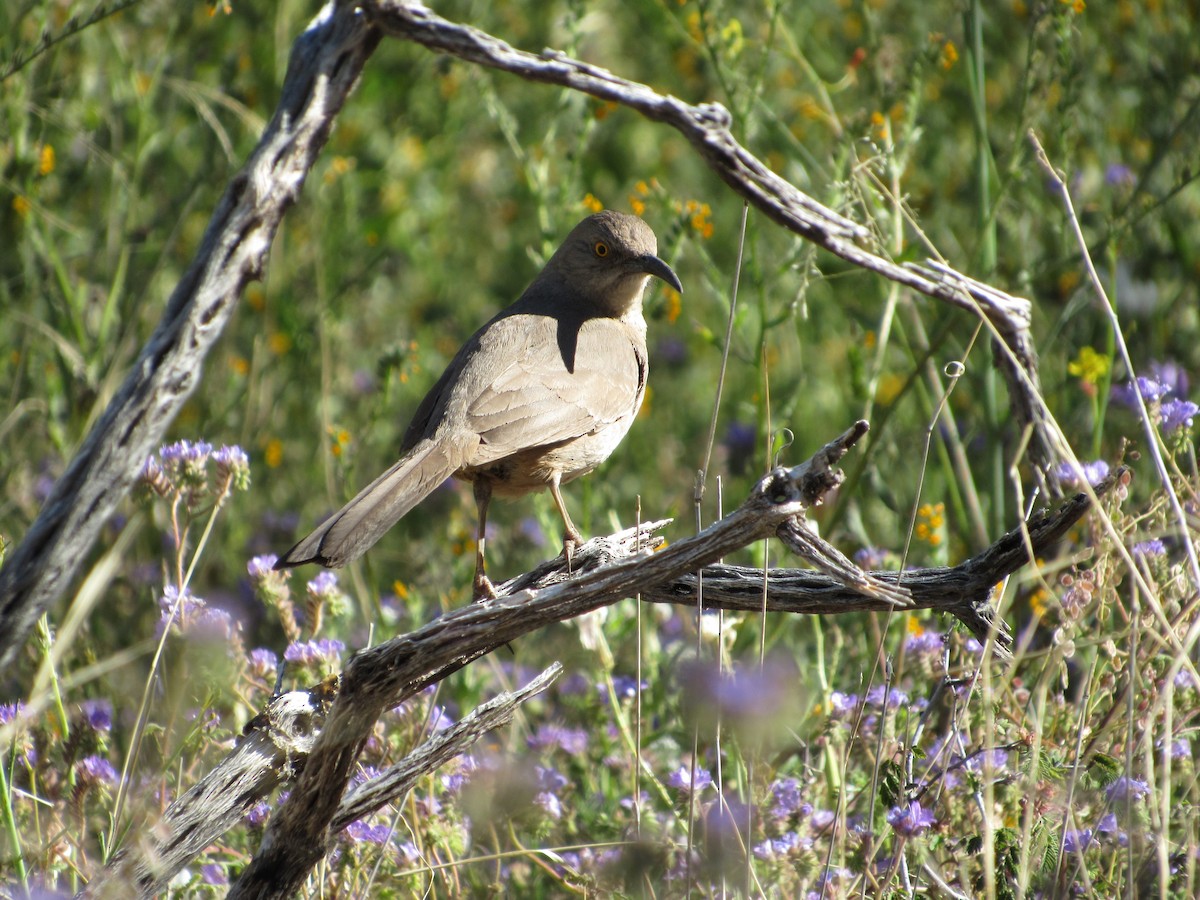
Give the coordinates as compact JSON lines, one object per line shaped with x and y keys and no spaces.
{"x":555,"y":388}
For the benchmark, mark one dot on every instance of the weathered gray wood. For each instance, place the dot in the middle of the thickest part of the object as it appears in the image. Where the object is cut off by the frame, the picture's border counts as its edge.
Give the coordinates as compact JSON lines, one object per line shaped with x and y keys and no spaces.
{"x":325,"y":63}
{"x":708,"y":127}
{"x":321,"y":731}
{"x":276,"y":744}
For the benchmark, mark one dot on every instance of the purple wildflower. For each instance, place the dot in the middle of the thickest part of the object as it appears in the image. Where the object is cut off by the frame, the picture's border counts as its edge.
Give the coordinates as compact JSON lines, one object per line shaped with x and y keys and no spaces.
{"x":911,"y":820}
{"x":1172,"y":375}
{"x":892,"y":698}
{"x":324,"y":586}
{"x":233,"y":463}
{"x":262,"y":566}
{"x":428,"y":807}
{"x":1108,"y":829}
{"x":213,"y":873}
{"x":550,"y":779}
{"x":364,"y":381}
{"x":987,"y":760}
{"x":927,"y":643}
{"x":321,"y":651}
{"x":786,"y":799}
{"x":96,"y":770}
{"x":842,"y":704}
{"x":1093,"y":472}
{"x":626,"y":687}
{"x":153,"y":476}
{"x":1077,"y":840}
{"x":183,"y":452}
{"x":1153,"y":547}
{"x":871,"y":557}
{"x":97,"y":714}
{"x":822,"y":819}
{"x":739,"y":443}
{"x":1176,"y":414}
{"x":263,"y":662}
{"x":1119,"y":175}
{"x":211,"y":624}
{"x":550,"y":737}
{"x":670,"y":351}
{"x":1126,"y":790}
{"x":1125,"y":395}
{"x":258,"y":813}
{"x":185,"y":603}
{"x":360,"y":831}
{"x":681,"y":779}
{"x":549,"y":804}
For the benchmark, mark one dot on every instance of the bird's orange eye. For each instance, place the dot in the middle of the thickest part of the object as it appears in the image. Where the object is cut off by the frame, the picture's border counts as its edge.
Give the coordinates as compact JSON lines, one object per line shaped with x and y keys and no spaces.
{"x":601,"y":248}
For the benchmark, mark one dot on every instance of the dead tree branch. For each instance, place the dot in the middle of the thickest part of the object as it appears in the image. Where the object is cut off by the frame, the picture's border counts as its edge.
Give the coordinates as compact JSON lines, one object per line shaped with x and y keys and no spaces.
{"x":708,"y":127}
{"x":273,"y":750}
{"x":317,"y":735}
{"x":324,"y":66}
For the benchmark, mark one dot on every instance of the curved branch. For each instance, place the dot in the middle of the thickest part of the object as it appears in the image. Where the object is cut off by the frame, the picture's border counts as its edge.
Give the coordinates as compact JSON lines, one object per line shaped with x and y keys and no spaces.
{"x":707,"y":127}
{"x":325,"y":64}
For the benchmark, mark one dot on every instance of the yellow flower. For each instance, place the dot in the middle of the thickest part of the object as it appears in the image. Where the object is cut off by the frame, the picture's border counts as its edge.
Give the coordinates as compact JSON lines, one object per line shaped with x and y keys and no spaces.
{"x":674,"y":305}
{"x":341,"y":438}
{"x":279,"y":343}
{"x":273,"y":453}
{"x":949,"y":55}
{"x":21,"y":205}
{"x":931,"y":520}
{"x":1038,"y":602}
{"x":400,"y":589}
{"x":46,"y":160}
{"x":240,"y":365}
{"x":592,"y":203}
{"x":637,"y":205}
{"x":1089,"y":366}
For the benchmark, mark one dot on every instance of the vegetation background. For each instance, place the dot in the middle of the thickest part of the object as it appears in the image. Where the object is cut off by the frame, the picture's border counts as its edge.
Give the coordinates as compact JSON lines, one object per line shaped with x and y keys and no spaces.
{"x":442,"y":190}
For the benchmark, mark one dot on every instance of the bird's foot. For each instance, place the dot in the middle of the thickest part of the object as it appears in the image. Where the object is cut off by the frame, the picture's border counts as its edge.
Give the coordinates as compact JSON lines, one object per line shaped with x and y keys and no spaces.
{"x":571,"y":542}
{"x":482,"y":588}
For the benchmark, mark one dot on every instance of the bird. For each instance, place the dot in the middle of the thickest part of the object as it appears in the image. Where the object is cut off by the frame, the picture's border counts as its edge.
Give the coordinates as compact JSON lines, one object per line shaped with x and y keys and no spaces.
{"x":539,"y":396}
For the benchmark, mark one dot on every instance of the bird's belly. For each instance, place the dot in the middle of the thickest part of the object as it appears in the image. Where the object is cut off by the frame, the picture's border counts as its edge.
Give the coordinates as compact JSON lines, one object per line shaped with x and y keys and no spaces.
{"x":535,"y":468}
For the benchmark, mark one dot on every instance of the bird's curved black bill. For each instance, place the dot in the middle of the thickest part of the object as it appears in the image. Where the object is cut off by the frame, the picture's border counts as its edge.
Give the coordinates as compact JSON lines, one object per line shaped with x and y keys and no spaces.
{"x":652,"y":265}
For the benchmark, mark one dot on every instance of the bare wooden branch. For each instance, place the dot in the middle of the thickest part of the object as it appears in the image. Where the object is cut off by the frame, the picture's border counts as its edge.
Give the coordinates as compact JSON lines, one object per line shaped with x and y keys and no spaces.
{"x":447,"y":744}
{"x":274,"y":749}
{"x":387,"y":674}
{"x":283,"y":741}
{"x":324,"y":66}
{"x":708,"y":127}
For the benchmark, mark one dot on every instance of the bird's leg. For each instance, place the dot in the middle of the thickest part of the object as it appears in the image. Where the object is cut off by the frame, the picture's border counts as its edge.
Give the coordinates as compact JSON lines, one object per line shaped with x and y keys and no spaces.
{"x":571,"y":536}
{"x":482,"y":588}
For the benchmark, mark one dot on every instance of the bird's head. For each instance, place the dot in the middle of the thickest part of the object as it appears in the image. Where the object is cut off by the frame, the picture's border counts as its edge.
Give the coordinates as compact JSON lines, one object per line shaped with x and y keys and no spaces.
{"x":608,"y":258}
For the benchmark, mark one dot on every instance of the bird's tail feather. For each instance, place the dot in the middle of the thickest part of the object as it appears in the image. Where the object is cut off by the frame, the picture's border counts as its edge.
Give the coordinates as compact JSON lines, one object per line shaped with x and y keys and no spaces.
{"x":354,"y":529}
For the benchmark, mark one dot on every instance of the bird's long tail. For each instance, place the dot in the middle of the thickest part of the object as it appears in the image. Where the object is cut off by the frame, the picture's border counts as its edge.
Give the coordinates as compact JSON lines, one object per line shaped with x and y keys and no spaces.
{"x":354,"y":529}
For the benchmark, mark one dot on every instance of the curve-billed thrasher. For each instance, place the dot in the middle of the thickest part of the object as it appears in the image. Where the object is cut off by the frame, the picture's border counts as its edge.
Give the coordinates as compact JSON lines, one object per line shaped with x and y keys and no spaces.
{"x":541,"y":394}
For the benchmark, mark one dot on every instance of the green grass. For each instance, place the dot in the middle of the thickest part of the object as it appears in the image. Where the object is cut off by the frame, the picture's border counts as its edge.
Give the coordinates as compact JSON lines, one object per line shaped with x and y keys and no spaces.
{"x":442,"y":190}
